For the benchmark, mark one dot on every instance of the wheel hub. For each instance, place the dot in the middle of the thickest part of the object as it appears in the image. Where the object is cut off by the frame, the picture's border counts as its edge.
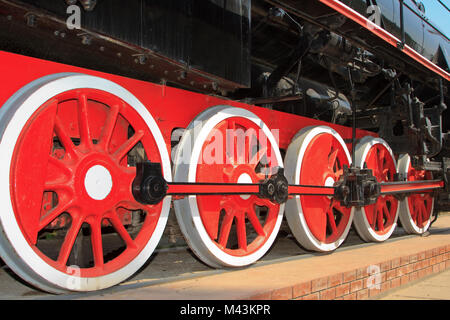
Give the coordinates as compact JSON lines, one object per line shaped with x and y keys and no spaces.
{"x":98,"y":182}
{"x":329,"y":182}
{"x":244,"y":178}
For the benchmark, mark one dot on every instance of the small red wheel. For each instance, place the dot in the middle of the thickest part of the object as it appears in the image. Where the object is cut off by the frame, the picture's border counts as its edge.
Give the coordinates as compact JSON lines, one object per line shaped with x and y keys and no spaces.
{"x":377,"y":222}
{"x":69,"y":147}
{"x":227,"y":145}
{"x":316,"y":157}
{"x":416,"y":209}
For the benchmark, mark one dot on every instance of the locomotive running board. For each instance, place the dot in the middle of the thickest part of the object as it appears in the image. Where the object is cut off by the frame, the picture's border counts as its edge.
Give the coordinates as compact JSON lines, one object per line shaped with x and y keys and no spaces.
{"x":385,"y":35}
{"x":149,"y":187}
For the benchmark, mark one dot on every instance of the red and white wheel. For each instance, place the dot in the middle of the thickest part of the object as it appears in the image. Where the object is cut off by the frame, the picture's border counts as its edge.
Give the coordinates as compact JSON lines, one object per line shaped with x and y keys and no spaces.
{"x":68,"y":144}
{"x":377,"y":222}
{"x":227,"y":145}
{"x":316,"y":157}
{"x":416,"y":209}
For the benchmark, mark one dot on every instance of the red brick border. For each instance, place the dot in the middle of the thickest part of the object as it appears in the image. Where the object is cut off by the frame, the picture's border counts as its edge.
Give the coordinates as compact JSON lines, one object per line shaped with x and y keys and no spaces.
{"x":366,"y":282}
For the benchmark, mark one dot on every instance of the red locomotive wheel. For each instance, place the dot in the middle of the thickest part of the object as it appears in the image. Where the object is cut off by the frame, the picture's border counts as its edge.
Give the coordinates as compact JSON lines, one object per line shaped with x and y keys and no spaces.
{"x":229,"y":145}
{"x":70,"y":153}
{"x":316,"y":157}
{"x":416,"y":209}
{"x":377,"y":222}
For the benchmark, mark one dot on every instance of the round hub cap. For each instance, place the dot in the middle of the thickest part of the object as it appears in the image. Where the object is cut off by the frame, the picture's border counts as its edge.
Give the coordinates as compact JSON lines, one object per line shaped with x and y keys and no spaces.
{"x":245,"y":178}
{"x":98,"y":182}
{"x":329,"y":182}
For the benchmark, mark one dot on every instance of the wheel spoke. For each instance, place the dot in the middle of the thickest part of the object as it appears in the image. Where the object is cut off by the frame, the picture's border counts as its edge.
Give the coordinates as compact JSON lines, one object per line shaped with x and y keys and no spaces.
{"x":258,"y":156}
{"x":382,"y":155}
{"x":64,"y":138}
{"x":225,"y":229}
{"x":331,"y":221}
{"x":337,"y":206}
{"x":231,"y":125}
{"x":252,"y":216}
{"x":119,"y":227}
{"x":380,"y":221}
{"x":53,"y":214}
{"x":85,"y":134}
{"x":338,"y":174}
{"x":56,"y":186}
{"x":371,"y":214}
{"x":241,"y":231}
{"x":108,"y":129}
{"x":128,"y":145}
{"x":227,"y":151}
{"x":231,"y":141}
{"x":332,"y":158}
{"x":59,"y":165}
{"x":96,"y":242}
{"x":415,"y":208}
{"x":385,"y":173}
{"x":69,"y":241}
{"x":386,"y":211}
{"x":420,"y":214}
{"x":265,"y":203}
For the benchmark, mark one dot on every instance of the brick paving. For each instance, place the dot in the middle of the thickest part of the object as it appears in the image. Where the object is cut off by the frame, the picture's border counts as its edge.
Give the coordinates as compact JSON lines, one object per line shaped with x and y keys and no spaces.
{"x":364,"y":272}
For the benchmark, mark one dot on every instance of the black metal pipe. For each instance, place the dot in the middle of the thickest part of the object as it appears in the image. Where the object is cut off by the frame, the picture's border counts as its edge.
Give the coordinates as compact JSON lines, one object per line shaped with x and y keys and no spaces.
{"x":402,"y":25}
{"x":352,"y":102}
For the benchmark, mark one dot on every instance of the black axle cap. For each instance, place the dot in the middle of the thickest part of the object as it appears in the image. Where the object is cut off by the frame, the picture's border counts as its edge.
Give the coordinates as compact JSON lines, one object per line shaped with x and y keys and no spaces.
{"x":275,"y":188}
{"x":149,"y":186}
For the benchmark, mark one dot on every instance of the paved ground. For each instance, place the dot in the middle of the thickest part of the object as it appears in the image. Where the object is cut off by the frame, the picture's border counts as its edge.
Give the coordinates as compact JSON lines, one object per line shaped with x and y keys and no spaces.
{"x":435,"y":287}
{"x":176,"y":265}
{"x":284,"y":273}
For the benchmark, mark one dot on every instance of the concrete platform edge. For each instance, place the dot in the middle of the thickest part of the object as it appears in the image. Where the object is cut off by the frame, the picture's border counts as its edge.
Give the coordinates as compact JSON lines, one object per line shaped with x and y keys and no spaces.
{"x":369,"y":282}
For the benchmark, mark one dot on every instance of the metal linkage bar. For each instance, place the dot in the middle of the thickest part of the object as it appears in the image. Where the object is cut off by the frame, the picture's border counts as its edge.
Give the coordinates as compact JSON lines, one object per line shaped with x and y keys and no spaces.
{"x":410,"y":187}
{"x":183,"y":189}
{"x":199,"y":188}
{"x":357,"y":187}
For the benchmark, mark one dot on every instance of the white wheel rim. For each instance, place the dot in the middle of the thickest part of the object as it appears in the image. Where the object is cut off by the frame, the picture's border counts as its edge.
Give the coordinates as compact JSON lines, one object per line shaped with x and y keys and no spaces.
{"x":15,"y":113}
{"x":361,"y":223}
{"x":405,"y":215}
{"x":294,"y":210}
{"x":187,"y":209}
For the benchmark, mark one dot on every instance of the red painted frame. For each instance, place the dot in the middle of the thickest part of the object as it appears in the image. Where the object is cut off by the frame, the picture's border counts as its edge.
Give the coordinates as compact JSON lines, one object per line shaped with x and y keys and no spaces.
{"x":170,"y":107}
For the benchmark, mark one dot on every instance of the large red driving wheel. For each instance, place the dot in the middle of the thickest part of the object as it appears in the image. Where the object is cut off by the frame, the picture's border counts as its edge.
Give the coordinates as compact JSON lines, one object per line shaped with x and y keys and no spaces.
{"x":229,"y":145}
{"x":71,"y":148}
{"x":377,"y":222}
{"x":316,"y":157}
{"x":415,"y":209}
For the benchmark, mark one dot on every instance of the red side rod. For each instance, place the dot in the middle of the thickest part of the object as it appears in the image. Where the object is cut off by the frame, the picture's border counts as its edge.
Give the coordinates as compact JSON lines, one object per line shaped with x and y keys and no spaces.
{"x":242,"y":188}
{"x":411,"y":186}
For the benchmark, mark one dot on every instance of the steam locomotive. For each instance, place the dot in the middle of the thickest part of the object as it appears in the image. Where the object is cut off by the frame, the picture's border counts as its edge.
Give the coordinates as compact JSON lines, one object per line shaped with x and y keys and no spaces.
{"x":232,"y":115}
